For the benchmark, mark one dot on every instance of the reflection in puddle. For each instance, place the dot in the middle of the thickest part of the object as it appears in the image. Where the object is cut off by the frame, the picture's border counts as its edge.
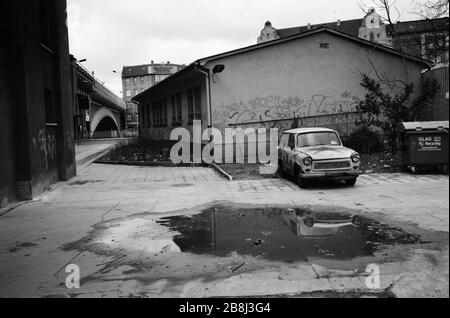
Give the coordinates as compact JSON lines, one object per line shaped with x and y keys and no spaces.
{"x":281,"y":234}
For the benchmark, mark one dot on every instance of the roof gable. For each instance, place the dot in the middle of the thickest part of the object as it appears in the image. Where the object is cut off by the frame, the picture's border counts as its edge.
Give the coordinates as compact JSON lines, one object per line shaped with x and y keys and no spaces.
{"x":201,"y":62}
{"x":375,"y":46}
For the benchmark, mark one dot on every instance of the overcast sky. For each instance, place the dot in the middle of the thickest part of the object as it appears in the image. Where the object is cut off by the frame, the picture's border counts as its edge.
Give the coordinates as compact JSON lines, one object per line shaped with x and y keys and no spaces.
{"x":114,"y":33}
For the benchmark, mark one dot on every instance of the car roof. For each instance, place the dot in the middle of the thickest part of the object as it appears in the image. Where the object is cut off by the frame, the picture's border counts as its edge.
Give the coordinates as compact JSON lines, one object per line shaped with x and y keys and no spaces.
{"x":307,"y":130}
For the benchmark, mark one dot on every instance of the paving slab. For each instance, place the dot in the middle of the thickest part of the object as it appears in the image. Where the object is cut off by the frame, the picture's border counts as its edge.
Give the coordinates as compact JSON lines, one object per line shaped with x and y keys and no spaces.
{"x":105,"y":197}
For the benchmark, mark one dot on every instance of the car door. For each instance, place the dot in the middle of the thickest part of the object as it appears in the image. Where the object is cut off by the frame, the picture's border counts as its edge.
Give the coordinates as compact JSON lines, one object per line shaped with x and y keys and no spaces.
{"x":282,"y":149}
{"x":290,"y":153}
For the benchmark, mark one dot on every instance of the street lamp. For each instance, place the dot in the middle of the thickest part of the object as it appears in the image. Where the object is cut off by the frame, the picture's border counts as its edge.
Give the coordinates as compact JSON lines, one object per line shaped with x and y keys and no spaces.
{"x":216,"y":70}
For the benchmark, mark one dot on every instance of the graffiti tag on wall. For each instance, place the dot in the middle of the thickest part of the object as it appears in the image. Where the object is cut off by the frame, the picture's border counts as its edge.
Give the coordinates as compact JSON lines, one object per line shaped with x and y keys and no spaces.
{"x":47,"y":144}
{"x":284,"y":113}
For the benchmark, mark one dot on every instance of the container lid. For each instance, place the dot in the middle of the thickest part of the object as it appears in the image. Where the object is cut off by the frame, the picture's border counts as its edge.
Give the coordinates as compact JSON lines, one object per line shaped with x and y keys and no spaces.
{"x":424,"y":125}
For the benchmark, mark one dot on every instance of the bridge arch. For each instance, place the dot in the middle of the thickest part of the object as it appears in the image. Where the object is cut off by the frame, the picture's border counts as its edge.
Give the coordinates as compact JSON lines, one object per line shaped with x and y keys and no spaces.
{"x":104,"y":118}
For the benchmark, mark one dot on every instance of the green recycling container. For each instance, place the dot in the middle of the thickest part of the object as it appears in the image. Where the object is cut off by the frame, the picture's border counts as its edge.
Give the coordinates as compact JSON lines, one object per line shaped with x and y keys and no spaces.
{"x":425,"y":143}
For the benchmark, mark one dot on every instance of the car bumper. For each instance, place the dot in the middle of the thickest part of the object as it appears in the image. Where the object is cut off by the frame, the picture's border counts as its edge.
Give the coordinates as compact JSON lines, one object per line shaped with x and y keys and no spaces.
{"x":338,"y":175}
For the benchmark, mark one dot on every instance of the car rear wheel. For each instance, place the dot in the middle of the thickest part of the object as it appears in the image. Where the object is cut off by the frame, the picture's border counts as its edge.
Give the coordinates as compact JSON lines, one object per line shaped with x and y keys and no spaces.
{"x":351,"y":182}
{"x":281,"y":172}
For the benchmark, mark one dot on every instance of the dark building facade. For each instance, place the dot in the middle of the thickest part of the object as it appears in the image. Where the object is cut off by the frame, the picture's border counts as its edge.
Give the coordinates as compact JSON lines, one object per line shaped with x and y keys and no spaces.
{"x":36,"y":120}
{"x":136,"y":79}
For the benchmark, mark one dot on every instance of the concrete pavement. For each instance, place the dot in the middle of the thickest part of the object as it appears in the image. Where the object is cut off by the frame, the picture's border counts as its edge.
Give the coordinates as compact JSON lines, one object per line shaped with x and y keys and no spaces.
{"x":87,"y":151}
{"x":104,"y":221}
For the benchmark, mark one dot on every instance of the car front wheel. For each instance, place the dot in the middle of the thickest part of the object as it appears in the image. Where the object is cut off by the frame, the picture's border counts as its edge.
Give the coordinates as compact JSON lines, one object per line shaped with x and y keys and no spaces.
{"x":302,"y":182}
{"x":351,"y":182}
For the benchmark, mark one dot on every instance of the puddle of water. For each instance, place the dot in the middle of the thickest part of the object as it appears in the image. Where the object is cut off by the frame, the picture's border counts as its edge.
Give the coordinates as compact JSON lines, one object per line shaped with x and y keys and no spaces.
{"x":281,"y":234}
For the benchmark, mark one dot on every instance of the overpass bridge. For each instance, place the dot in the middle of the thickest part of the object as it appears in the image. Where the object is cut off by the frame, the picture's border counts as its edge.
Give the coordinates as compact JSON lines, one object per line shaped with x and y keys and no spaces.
{"x":98,"y":112}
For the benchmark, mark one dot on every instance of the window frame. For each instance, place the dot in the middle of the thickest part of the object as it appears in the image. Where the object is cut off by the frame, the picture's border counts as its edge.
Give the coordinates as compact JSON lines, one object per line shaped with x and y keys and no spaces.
{"x":297,"y":139}
{"x":176,"y":107}
{"x":291,"y":141}
{"x":47,"y":18}
{"x":194,"y":103}
{"x":159,"y":111}
{"x":284,"y":143}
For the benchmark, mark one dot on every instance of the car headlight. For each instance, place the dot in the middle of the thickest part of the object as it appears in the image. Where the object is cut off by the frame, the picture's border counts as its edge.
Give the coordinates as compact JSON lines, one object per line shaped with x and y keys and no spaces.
{"x":307,"y":161}
{"x":356,"y":157}
{"x":357,"y":220}
{"x":309,"y":222}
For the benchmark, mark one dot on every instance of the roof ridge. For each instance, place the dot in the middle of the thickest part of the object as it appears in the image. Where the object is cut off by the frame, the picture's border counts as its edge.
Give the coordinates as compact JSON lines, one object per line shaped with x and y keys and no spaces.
{"x":343,"y":21}
{"x":307,"y":33}
{"x":321,"y":23}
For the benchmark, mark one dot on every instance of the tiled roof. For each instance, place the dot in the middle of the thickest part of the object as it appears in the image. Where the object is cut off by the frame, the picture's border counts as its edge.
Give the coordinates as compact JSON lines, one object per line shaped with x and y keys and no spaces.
{"x":136,"y":70}
{"x":349,"y":27}
{"x":420,"y":26}
{"x":352,"y":27}
{"x":436,"y":66}
{"x":141,"y":70}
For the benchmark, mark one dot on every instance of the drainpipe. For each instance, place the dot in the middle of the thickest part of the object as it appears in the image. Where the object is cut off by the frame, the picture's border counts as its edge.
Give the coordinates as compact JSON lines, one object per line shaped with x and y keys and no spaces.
{"x":139,"y":116}
{"x":205,"y":71}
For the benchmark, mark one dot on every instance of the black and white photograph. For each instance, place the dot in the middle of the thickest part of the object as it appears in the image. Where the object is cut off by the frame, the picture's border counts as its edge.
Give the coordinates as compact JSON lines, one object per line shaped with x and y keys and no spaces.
{"x":227,"y":155}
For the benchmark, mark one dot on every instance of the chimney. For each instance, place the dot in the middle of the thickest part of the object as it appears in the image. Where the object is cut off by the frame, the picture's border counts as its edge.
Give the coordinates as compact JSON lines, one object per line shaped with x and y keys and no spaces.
{"x":308,"y":27}
{"x":168,"y":62}
{"x":153,"y":62}
{"x":338,"y":22}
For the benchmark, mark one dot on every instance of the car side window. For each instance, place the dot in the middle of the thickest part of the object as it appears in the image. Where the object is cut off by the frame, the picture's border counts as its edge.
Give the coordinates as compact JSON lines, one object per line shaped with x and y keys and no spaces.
{"x":291,"y":142}
{"x":284,"y":140}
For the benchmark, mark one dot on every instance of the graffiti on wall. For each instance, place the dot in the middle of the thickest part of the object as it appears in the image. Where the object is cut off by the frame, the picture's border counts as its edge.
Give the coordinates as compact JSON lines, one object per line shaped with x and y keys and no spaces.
{"x":285,"y":113}
{"x":343,"y":123}
{"x":47,"y":144}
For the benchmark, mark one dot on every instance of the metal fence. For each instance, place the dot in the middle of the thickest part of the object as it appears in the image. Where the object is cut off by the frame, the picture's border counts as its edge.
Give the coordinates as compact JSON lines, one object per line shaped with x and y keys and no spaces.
{"x":439,"y":108}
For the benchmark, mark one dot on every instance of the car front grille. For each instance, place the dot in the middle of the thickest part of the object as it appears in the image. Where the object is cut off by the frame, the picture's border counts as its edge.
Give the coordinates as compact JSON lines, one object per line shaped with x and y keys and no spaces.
{"x":332,"y":165}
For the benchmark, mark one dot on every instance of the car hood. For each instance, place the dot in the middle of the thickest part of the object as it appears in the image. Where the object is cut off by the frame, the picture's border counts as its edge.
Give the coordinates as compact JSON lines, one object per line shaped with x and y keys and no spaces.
{"x":327,"y":152}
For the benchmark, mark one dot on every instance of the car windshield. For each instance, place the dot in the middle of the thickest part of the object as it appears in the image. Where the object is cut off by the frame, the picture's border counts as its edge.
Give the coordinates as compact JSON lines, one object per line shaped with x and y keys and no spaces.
{"x":318,"y":139}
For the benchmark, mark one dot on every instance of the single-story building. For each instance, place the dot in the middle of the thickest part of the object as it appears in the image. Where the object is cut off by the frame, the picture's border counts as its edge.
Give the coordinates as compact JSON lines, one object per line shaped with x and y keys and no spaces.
{"x":308,"y":79}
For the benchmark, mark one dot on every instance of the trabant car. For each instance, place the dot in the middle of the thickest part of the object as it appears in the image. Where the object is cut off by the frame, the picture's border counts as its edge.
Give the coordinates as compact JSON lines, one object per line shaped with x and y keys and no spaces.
{"x":316,"y":153}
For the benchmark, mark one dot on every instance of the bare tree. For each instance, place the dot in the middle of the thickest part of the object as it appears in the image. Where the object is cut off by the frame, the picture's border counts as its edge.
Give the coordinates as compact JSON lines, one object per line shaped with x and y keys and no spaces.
{"x":386,"y":109}
{"x":390,"y":15}
{"x":433,"y":12}
{"x":427,"y":9}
